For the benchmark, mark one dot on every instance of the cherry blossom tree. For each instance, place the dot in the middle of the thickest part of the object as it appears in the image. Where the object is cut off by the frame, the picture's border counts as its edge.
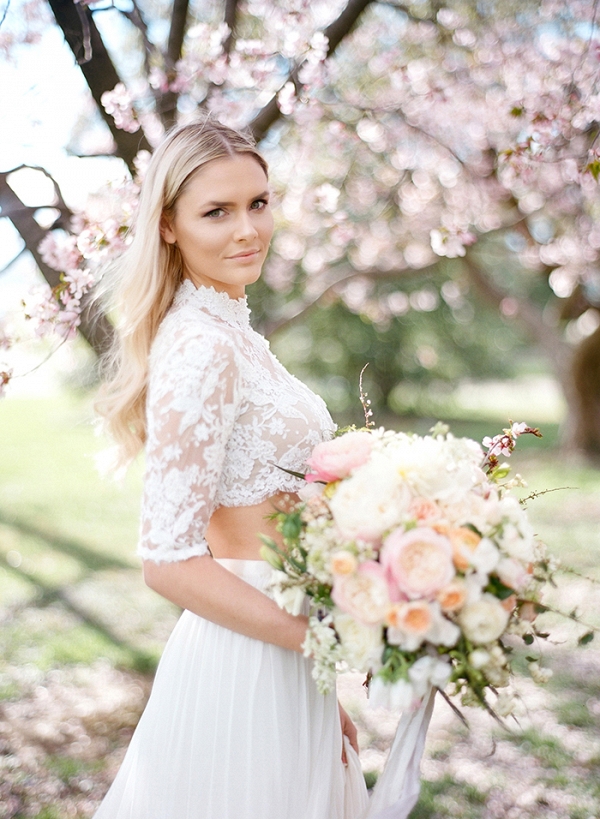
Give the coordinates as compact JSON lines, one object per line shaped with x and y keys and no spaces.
{"x":405,"y":139}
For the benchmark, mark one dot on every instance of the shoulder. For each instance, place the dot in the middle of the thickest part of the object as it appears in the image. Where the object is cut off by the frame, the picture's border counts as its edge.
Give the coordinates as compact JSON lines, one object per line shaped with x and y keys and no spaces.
{"x":192,"y":340}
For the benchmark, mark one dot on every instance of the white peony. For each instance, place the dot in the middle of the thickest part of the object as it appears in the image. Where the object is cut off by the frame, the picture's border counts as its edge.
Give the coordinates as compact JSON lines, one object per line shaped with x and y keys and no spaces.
{"x":362,"y":645}
{"x":371,"y":501}
{"x":439,"y":469}
{"x":484,"y":620}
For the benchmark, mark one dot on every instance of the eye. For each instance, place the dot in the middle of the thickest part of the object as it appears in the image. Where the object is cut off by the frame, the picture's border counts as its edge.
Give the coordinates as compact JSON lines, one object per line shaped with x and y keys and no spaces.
{"x":259,"y":204}
{"x":214,"y":214}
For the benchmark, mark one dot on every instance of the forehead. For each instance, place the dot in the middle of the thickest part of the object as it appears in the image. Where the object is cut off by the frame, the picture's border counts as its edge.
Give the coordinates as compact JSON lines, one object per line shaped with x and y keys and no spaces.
{"x":228,"y":178}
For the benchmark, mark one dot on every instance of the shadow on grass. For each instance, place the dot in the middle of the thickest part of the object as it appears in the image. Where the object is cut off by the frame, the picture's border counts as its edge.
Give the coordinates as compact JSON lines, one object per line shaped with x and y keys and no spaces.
{"x":45,"y":594}
{"x":90,"y":559}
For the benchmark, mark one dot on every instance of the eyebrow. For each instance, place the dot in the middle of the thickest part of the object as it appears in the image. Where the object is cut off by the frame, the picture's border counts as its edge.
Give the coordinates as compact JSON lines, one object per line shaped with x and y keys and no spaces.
{"x":215,"y":204}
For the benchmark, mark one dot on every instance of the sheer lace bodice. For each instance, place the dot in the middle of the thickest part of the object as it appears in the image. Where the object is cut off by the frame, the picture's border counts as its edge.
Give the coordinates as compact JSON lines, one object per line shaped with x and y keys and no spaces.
{"x":223,"y":416}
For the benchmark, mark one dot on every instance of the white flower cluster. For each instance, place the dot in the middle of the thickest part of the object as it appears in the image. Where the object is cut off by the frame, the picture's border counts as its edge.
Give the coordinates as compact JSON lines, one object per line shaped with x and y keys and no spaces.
{"x":322,"y":645}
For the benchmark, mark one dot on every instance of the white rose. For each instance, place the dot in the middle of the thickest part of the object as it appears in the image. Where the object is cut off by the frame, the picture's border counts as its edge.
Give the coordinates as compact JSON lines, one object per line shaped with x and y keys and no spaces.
{"x":290,"y":599}
{"x":372,"y":500}
{"x":485,"y":557}
{"x":482,"y":512}
{"x":362,"y":645}
{"x":396,"y":696}
{"x":483,"y":621}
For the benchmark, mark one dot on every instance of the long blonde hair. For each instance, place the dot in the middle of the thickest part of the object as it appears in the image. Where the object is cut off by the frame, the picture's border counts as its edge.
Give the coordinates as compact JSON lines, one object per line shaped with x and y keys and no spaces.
{"x":142,"y":284}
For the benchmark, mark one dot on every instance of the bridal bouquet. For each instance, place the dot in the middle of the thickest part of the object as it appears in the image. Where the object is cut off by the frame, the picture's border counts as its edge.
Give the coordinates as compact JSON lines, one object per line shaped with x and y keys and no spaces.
{"x":417,"y":561}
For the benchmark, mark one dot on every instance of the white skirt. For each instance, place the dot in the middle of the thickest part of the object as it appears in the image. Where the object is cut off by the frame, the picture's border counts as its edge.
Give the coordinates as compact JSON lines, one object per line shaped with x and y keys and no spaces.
{"x":235,"y":729}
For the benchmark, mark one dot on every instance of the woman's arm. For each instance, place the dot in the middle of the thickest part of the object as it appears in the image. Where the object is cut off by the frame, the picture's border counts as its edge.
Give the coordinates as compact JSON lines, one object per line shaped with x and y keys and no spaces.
{"x":207,"y":589}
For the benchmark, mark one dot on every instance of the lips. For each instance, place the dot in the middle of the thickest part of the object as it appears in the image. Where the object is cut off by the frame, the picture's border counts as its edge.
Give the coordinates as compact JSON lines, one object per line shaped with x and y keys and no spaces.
{"x":246,"y":254}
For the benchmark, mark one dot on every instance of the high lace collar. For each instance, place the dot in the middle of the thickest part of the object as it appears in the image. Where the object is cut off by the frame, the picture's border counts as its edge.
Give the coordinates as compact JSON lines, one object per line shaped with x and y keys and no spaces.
{"x":234,"y":312}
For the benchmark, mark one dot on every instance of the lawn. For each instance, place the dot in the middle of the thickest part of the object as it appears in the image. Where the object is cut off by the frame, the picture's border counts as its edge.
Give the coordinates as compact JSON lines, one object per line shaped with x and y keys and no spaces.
{"x":81,"y":635}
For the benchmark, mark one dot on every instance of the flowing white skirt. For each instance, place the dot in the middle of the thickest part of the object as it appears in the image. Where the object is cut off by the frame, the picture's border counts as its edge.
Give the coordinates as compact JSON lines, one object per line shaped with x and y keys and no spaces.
{"x":235,"y":729}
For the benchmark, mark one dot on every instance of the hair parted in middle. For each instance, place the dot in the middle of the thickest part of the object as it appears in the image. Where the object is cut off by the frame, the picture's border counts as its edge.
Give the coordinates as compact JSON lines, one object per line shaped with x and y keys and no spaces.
{"x":143,"y":282}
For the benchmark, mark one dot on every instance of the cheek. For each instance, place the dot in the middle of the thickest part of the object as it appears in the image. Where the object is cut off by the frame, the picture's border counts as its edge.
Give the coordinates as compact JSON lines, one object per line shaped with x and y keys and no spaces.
{"x":267,"y":227}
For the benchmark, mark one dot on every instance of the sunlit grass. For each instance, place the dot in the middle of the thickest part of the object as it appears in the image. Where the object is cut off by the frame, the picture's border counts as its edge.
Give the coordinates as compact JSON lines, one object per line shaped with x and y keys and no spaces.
{"x":72,"y":598}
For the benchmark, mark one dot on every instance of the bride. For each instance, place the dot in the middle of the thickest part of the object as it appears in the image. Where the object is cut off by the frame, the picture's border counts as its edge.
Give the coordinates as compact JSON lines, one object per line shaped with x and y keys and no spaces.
{"x":234,"y":728}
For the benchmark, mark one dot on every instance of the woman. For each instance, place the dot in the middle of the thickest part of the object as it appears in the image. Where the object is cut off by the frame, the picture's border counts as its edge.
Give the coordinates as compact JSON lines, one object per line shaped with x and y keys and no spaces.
{"x":234,"y":728}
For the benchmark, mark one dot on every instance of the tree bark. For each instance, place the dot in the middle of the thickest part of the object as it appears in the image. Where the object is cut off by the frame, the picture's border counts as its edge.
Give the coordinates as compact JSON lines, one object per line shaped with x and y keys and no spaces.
{"x":335,"y":33}
{"x":583,"y":430}
{"x":577,"y":372}
{"x":85,"y":42}
{"x":167,"y":104}
{"x":94,"y":327}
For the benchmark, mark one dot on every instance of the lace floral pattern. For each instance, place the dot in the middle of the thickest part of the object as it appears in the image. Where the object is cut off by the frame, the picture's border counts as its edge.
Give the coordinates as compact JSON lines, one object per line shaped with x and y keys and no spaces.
{"x":223,"y":416}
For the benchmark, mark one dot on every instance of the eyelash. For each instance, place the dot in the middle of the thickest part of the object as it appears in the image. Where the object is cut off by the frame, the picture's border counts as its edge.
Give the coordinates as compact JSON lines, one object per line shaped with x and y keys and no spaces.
{"x":263,"y":202}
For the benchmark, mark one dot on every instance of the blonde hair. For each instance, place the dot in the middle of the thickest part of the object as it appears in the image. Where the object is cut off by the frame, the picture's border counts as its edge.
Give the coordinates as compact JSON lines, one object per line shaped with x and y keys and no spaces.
{"x":142,"y":284}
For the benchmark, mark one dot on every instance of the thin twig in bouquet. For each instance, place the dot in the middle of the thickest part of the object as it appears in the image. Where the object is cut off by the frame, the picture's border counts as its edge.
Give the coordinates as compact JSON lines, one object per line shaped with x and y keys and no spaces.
{"x":365,"y":401}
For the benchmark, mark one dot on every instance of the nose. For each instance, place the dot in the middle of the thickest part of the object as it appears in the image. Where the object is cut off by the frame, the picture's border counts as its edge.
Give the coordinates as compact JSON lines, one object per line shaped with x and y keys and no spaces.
{"x":244,"y":227}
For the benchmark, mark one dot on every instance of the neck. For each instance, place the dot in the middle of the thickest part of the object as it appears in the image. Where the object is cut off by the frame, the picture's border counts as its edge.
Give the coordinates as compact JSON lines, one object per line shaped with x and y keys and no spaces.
{"x":234,"y":291}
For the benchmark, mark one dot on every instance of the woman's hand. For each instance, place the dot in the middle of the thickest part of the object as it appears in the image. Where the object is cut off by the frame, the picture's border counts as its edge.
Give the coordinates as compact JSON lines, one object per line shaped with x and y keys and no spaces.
{"x":348,"y":730}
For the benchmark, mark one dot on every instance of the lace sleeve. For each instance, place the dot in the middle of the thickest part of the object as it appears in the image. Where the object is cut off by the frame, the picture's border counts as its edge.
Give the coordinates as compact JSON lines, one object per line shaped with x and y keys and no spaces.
{"x":193,"y":398}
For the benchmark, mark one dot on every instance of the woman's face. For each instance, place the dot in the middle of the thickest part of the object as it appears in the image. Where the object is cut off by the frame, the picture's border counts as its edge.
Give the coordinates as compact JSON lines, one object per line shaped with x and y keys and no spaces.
{"x":223,"y":224}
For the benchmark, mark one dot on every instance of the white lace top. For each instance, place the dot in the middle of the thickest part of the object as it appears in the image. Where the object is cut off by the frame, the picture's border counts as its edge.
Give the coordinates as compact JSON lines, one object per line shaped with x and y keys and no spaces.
{"x":223,"y":415}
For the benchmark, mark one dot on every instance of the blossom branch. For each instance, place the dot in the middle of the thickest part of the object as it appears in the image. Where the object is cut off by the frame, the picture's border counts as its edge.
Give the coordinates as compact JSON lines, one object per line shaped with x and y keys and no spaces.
{"x":335,"y":32}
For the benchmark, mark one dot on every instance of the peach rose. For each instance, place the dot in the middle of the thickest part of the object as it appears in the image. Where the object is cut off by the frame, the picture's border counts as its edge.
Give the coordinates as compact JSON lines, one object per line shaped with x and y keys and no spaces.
{"x":464,"y":542}
{"x":411,"y":618}
{"x":335,"y":459}
{"x":418,"y":561}
{"x":363,"y":594}
{"x":343,"y":562}
{"x":452,"y":597}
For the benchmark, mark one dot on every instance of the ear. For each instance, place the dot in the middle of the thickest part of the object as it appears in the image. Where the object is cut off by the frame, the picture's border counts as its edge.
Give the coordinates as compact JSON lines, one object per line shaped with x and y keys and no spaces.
{"x":166,"y":231}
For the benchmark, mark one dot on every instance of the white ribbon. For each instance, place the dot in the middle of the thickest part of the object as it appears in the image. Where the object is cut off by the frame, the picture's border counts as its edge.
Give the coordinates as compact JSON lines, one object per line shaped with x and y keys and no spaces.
{"x":397,"y":790}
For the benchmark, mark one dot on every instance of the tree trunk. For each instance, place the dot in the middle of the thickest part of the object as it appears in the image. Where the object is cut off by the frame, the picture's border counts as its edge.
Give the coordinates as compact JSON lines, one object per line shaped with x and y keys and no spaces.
{"x":85,"y":42}
{"x":577,"y":372}
{"x":583,"y":423}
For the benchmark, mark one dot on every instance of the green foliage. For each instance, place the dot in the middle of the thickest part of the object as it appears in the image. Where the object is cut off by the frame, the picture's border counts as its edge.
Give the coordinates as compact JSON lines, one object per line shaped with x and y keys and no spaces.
{"x":405,"y":354}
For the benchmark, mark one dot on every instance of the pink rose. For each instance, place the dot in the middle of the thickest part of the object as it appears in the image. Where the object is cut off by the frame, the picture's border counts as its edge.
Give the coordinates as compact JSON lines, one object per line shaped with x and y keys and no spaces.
{"x":424,"y":509}
{"x":418,"y":561}
{"x":364,"y":594}
{"x":335,"y":459}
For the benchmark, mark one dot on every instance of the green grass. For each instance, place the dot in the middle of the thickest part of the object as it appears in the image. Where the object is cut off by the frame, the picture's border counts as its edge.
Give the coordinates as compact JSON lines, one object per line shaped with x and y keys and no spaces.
{"x":71,"y":592}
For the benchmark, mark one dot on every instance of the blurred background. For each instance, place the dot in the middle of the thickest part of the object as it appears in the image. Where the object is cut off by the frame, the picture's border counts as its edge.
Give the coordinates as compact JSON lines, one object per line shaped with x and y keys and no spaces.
{"x":434,"y":168}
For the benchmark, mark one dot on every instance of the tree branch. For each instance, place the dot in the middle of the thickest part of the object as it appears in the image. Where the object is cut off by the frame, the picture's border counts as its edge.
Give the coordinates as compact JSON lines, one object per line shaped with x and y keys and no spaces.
{"x":95,"y":327}
{"x":98,"y":70}
{"x":297,"y":308}
{"x":335,"y":33}
{"x":166,"y":103}
{"x":231,"y":8}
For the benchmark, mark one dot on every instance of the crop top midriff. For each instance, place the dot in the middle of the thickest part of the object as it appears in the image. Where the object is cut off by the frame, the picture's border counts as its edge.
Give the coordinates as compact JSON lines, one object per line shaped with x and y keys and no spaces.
{"x":223,"y":416}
